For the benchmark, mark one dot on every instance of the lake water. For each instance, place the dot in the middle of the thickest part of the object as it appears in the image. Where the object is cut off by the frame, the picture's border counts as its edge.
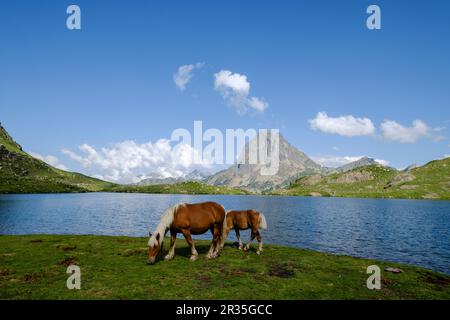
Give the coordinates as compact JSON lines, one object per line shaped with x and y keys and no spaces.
{"x":409,"y":231}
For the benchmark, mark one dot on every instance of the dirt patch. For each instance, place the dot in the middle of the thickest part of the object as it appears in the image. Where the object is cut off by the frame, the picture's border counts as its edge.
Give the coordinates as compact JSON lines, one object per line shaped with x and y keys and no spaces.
{"x":33,"y":277}
{"x":36,"y":240}
{"x":281,"y":271}
{"x":133,"y":252}
{"x":385,"y":281}
{"x":6,"y":272}
{"x":240,"y":271}
{"x":203,"y":278}
{"x":65,"y":247}
{"x":69,"y":261}
{"x":436,"y":279}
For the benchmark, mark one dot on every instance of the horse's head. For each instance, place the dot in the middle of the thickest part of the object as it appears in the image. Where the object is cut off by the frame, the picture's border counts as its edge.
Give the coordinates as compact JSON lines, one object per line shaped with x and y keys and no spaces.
{"x":155,"y":246}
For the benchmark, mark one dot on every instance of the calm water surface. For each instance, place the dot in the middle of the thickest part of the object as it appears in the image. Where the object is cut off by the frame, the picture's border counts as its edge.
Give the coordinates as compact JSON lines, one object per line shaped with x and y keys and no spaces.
{"x":409,"y":231}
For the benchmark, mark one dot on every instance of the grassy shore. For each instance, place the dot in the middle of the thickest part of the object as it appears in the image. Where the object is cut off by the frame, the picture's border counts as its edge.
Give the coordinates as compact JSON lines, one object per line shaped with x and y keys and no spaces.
{"x":34,"y":267}
{"x":188,"y":187}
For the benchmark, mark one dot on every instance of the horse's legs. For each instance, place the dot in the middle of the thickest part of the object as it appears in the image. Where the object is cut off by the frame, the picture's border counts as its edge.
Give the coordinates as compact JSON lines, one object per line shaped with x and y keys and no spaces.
{"x":224,"y":236}
{"x":187,"y":236}
{"x":252,"y":237}
{"x":216,"y":239}
{"x":238,"y":236}
{"x":171,"y":253}
{"x":215,"y":244}
{"x":211,"y":247}
{"x":260,"y":247}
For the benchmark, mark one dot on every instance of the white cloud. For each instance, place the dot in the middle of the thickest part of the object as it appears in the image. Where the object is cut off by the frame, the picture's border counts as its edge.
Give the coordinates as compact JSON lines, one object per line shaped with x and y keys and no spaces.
{"x":184,"y":74}
{"x":348,"y":125}
{"x":446,"y":156}
{"x":394,"y":131}
{"x":336,"y":161}
{"x":125,"y":161}
{"x":51,"y":160}
{"x":235,"y":89}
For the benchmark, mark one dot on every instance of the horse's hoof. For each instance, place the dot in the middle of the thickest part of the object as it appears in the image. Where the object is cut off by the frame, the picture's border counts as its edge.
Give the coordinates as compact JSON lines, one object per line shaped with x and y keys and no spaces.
{"x":246,"y":249}
{"x":168,"y":257}
{"x":241,"y":248}
{"x":258,"y":252}
{"x":193,"y":258}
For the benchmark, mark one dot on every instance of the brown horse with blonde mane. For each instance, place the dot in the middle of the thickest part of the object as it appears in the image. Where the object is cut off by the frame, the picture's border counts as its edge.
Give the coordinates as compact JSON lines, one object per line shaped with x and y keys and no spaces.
{"x":243,"y":220}
{"x":188,"y":219}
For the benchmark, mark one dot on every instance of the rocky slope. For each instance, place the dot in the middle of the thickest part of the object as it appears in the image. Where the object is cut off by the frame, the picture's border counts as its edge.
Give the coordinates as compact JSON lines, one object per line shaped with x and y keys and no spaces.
{"x":431,"y":181}
{"x":292,"y":165}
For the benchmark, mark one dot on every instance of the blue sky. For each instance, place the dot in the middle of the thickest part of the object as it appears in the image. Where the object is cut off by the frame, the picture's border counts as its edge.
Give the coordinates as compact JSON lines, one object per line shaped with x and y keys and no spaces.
{"x":112,"y":81}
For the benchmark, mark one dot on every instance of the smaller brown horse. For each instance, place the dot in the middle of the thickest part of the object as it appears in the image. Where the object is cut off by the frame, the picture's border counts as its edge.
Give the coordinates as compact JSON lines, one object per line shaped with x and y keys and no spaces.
{"x":243,"y":220}
{"x":188,"y":219}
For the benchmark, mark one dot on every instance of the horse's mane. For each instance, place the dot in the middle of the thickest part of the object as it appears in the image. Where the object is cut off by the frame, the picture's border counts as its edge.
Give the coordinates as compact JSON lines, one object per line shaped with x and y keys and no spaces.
{"x":165,"y":222}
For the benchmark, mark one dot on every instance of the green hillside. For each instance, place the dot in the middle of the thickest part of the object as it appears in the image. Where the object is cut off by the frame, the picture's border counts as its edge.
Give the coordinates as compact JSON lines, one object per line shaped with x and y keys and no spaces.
{"x":431,"y":181}
{"x":21,"y":173}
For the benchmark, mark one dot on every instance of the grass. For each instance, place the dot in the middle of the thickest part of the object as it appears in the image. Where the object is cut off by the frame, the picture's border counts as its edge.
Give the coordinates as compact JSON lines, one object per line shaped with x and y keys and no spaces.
{"x":431,"y":181}
{"x":188,"y":187}
{"x":34,"y":267}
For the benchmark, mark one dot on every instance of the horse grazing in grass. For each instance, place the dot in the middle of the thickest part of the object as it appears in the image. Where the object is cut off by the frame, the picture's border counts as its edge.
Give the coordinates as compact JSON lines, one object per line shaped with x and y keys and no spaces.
{"x":243,"y":220}
{"x":188,"y":219}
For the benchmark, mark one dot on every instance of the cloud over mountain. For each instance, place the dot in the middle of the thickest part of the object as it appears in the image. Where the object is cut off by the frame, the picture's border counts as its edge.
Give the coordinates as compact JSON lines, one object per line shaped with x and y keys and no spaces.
{"x":125,"y":161}
{"x":394,"y":131}
{"x":348,"y":125}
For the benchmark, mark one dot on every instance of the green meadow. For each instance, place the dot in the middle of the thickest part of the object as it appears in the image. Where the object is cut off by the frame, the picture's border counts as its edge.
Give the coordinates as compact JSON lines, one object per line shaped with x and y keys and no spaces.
{"x":34,"y":267}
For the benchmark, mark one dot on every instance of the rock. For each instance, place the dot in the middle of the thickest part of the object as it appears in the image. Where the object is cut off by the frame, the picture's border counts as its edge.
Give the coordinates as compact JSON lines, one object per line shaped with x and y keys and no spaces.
{"x":400,"y":179}
{"x":311,"y":180}
{"x":431,"y":195}
{"x":352,"y":177}
{"x":393,"y":270}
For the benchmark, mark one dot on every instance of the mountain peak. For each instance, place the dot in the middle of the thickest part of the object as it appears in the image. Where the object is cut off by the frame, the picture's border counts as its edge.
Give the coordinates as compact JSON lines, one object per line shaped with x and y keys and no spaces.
{"x":292,"y":164}
{"x":362,"y":162}
{"x":8,"y":142}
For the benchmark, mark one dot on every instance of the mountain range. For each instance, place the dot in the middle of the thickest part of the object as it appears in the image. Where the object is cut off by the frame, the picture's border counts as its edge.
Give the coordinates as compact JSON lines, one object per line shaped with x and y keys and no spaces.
{"x":155,"y":179}
{"x":297,"y":175}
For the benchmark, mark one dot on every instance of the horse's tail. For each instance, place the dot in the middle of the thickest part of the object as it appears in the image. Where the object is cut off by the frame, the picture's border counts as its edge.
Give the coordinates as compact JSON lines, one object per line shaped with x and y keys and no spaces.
{"x":223,"y":233}
{"x":262,"y":221}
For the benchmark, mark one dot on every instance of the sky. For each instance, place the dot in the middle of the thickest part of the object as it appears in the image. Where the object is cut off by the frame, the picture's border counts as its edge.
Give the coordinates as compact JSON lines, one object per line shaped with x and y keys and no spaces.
{"x":105,"y":99}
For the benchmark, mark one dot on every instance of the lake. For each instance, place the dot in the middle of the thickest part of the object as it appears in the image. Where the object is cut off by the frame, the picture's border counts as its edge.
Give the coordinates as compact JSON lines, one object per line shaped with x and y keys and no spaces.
{"x":408,"y":231}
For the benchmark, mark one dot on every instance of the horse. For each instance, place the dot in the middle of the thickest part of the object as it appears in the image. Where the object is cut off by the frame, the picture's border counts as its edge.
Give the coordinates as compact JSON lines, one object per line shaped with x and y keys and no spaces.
{"x":188,"y":219}
{"x":243,"y":220}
